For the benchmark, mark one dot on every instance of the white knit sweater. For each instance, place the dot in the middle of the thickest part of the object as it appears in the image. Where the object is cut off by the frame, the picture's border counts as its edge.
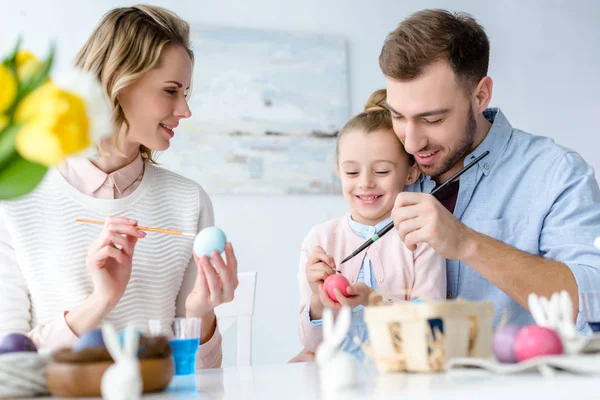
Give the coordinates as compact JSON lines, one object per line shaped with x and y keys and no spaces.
{"x":43,"y":251}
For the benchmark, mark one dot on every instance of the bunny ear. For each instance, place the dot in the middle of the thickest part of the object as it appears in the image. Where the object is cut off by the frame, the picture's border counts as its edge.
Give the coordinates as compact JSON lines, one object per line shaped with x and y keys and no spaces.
{"x":338,"y":333}
{"x":327,"y":323}
{"x":548,"y":306}
{"x":326,"y":349}
{"x":342,"y":324}
{"x":566,"y":305}
{"x":566,"y":310}
{"x":111,"y":341}
{"x":536,"y":310}
{"x":131,"y":341}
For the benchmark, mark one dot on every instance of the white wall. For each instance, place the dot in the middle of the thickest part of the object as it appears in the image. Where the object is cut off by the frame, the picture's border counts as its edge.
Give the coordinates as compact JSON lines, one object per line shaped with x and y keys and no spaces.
{"x":545,"y":62}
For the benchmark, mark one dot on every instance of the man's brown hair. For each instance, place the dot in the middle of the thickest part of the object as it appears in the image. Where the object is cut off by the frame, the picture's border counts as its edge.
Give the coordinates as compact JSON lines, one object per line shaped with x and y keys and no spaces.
{"x":429,"y":36}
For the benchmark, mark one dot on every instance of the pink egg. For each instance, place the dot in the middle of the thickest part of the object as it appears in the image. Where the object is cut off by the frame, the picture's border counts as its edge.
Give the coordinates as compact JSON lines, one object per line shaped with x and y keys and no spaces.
{"x":534,"y":341}
{"x":503,"y":341}
{"x":336,"y":281}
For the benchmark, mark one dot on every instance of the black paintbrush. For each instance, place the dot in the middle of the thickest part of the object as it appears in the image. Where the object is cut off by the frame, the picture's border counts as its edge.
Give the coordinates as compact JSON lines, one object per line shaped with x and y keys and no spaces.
{"x":389,"y":226}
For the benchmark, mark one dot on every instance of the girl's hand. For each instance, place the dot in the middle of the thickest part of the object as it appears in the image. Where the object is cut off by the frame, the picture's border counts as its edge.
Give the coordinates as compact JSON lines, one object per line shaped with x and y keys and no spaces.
{"x":318,"y":267}
{"x":358,"y":294}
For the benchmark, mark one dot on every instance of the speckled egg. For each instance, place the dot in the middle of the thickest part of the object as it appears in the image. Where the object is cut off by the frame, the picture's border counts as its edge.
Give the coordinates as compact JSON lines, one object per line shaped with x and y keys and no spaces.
{"x":208,"y":240}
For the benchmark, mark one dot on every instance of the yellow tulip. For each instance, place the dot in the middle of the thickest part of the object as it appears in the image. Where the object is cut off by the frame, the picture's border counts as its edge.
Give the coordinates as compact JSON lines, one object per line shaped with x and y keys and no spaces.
{"x":27,"y":65}
{"x":55,"y":124}
{"x":8,"y":83}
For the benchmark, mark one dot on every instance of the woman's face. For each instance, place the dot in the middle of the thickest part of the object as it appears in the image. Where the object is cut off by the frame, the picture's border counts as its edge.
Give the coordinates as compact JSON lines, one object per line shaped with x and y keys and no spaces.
{"x":156,"y":102}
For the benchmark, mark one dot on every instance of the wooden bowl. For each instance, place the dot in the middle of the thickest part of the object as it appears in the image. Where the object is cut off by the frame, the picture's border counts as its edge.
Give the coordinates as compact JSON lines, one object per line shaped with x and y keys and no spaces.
{"x":83,"y":379}
{"x":79,"y":373}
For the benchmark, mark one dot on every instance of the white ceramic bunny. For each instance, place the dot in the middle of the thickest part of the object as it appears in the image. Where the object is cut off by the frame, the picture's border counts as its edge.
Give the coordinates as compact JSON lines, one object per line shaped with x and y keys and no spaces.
{"x":557,"y":314}
{"x":338,"y":370}
{"x":122,"y":380}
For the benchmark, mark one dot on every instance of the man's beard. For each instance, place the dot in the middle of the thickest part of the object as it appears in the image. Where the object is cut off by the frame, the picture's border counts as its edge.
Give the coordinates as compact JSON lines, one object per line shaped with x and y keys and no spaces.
{"x":465,"y":146}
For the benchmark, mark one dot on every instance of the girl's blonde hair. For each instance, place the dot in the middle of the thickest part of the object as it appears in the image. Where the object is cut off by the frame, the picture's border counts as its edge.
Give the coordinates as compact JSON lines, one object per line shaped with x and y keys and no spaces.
{"x":375,"y":117}
{"x":126,"y":44}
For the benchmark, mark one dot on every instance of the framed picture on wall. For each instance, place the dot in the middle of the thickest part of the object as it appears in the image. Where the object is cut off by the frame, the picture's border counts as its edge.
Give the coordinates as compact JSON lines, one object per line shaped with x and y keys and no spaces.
{"x":266,"y":110}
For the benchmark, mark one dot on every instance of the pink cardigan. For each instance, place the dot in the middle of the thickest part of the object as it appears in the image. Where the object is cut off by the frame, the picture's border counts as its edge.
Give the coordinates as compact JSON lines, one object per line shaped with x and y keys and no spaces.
{"x":399,"y":272}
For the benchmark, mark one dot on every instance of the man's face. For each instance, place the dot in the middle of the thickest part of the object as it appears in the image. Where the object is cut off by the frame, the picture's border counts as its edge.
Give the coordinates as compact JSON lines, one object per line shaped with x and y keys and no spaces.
{"x":434,"y":118}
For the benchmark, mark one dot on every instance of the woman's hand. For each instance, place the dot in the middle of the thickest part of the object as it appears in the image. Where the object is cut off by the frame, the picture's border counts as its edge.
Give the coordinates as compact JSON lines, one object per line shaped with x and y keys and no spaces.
{"x":110,"y":256}
{"x":109,"y":262}
{"x":215,"y":283}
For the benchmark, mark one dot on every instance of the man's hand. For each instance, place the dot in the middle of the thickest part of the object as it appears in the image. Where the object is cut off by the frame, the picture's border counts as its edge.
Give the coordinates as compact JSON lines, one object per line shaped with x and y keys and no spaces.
{"x":421,"y":218}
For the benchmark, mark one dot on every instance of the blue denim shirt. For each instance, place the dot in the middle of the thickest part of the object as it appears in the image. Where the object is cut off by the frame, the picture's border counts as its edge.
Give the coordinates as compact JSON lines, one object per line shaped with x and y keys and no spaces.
{"x":358,"y":328}
{"x":534,"y":195}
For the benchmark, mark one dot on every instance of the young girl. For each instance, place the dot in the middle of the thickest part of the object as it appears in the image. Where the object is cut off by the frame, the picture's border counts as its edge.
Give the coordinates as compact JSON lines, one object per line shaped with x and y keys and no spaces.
{"x":373,"y":168}
{"x":60,"y":278}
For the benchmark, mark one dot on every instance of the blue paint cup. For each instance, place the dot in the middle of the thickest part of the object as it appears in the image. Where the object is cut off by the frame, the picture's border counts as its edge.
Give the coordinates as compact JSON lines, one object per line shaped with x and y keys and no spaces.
{"x":184,"y":338}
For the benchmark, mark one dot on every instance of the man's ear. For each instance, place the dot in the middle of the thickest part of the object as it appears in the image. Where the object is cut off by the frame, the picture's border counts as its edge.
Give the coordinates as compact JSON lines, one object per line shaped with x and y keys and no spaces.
{"x":483,"y":94}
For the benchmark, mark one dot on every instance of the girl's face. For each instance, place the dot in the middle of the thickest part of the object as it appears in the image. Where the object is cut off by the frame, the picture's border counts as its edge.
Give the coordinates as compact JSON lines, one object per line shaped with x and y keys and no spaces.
{"x":156,"y":102}
{"x":373,"y":168}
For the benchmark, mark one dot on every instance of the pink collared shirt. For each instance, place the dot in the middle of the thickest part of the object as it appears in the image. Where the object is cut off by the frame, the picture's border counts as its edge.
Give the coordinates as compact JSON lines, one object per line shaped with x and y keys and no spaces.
{"x":83,"y":175}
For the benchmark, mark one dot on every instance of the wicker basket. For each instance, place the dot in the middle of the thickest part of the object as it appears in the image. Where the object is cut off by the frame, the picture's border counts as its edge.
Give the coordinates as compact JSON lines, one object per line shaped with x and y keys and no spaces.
{"x":22,"y":374}
{"x":421,"y":337}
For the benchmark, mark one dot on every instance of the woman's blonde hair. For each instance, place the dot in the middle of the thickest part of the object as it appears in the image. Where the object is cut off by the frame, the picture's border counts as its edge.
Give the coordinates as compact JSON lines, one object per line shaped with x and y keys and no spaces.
{"x":126,"y":44}
{"x":375,"y":117}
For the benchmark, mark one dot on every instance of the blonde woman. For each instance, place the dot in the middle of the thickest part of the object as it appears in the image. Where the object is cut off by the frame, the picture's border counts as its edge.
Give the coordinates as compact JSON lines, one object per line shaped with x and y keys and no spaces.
{"x":59,"y":278}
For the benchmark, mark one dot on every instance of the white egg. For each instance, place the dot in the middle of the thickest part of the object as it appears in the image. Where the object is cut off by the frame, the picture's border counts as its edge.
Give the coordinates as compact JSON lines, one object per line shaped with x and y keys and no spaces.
{"x":208,"y":240}
{"x":597,"y":242}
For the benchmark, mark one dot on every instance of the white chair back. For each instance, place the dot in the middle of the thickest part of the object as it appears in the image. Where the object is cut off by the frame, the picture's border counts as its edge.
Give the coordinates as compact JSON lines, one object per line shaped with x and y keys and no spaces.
{"x":240,"y":310}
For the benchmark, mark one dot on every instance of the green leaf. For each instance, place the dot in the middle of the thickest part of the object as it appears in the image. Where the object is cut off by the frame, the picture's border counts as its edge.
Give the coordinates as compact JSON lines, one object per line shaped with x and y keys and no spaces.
{"x":20,"y":177}
{"x":35,"y":81}
{"x":7,"y":143}
{"x":10,"y":63}
{"x":10,"y":60}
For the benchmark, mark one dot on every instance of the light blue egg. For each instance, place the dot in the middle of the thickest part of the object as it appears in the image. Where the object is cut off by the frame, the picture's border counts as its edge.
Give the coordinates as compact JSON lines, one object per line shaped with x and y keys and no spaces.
{"x":208,"y":240}
{"x":90,"y":339}
{"x":122,"y":335}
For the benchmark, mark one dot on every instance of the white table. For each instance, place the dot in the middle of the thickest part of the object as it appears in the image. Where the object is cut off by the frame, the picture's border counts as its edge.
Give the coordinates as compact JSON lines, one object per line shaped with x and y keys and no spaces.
{"x":301,"y":381}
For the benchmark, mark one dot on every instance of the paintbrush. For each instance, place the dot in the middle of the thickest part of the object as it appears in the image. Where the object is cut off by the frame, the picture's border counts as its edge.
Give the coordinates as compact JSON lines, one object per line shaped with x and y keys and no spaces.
{"x":142,"y":228}
{"x":308,"y":254}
